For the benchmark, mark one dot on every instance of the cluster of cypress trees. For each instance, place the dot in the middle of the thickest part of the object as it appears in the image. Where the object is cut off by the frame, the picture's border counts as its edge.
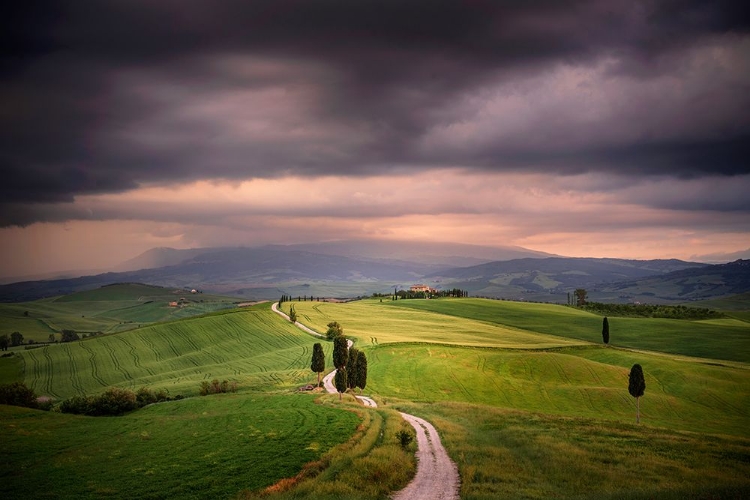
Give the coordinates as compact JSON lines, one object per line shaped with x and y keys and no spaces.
{"x":351,"y":366}
{"x":356,"y":369}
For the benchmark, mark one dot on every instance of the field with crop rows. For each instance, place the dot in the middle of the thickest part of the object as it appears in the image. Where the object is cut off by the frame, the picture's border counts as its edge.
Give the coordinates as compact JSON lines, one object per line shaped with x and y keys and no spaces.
{"x":109,"y":309}
{"x":252,"y":347}
{"x":527,"y":400}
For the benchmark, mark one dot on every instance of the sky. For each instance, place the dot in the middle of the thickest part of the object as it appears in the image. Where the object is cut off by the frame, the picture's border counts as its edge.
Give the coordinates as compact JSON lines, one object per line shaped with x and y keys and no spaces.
{"x":580,"y":128}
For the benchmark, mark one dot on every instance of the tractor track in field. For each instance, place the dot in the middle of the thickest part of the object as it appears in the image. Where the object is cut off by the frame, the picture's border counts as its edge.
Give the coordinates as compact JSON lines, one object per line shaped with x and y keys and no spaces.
{"x":437,"y":475}
{"x":92,"y":361}
{"x":75,"y":379}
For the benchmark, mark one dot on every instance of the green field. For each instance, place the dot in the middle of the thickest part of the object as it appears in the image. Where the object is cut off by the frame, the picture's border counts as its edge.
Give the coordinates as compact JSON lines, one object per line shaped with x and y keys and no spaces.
{"x":511,"y":454}
{"x":250,"y":346}
{"x":211,"y":447}
{"x":371,"y":322}
{"x":586,"y":382}
{"x":109,"y":309}
{"x":525,"y":397}
{"x":727,"y":339}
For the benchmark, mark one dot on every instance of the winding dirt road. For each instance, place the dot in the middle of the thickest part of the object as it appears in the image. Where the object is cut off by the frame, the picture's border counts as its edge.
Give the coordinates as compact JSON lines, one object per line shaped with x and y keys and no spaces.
{"x":437,"y":475}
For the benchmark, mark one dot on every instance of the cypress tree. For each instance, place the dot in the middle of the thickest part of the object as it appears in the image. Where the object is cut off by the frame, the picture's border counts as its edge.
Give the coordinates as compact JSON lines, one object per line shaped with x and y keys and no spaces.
{"x":351,"y":368}
{"x":318,"y":363}
{"x":339,"y":380}
{"x":340,"y":352}
{"x":361,"y":371}
{"x":605,"y":330}
{"x":636,"y":388}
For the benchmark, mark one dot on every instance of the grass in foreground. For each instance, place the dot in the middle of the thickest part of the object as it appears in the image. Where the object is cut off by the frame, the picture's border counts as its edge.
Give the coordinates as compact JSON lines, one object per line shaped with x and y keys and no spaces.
{"x":211,"y":447}
{"x":369,"y":466}
{"x":510,"y":454}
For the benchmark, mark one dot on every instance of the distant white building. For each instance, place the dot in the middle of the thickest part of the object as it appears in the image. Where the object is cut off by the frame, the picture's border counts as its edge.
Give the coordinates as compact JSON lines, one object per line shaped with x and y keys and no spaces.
{"x":421,"y":288}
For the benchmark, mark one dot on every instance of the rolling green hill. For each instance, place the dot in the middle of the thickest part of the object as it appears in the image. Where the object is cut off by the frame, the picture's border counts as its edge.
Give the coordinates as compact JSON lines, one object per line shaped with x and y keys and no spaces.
{"x":108,"y":309}
{"x":727,"y":339}
{"x":527,"y":400}
{"x":249,"y":346}
{"x":493,"y":323}
{"x":588,"y":382}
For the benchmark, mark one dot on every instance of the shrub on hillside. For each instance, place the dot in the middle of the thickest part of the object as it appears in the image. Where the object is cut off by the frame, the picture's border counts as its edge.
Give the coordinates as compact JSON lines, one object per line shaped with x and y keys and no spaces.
{"x":115,"y":401}
{"x":216,"y":387}
{"x":404,"y":438}
{"x":144,"y":396}
{"x":69,"y":336}
{"x":78,"y":405}
{"x":17,"y":394}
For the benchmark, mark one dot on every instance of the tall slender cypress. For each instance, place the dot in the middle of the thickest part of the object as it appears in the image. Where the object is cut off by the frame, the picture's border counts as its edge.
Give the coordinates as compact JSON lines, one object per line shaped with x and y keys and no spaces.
{"x":605,"y":330}
{"x":636,"y":388}
{"x":318,"y":363}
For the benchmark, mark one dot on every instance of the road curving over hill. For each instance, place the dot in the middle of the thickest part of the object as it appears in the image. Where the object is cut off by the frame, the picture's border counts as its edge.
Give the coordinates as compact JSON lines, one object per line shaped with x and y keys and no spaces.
{"x":437,"y":475}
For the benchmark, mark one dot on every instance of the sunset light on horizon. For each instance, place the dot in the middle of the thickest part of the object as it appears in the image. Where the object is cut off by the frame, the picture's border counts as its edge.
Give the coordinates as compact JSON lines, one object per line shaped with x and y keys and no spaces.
{"x":583,"y":129}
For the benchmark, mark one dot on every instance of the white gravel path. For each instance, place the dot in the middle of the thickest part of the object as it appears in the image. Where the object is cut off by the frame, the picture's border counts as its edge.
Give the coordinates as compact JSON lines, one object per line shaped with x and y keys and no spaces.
{"x":275,"y":308}
{"x":437,"y":475}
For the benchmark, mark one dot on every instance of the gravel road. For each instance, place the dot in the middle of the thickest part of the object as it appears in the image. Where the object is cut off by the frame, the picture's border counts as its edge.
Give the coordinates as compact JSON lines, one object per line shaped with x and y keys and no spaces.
{"x":437,"y":475}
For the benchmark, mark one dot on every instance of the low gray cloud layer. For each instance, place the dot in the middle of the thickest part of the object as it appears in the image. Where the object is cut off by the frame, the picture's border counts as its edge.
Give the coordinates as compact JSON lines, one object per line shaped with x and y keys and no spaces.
{"x":104,"y":96}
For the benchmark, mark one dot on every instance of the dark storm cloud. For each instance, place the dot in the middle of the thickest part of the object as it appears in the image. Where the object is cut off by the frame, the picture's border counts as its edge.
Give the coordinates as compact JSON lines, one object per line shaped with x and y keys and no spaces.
{"x":101,"y":96}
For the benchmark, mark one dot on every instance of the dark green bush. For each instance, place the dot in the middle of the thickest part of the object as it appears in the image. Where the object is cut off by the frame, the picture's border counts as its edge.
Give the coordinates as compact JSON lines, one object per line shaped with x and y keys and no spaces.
{"x":115,"y":401}
{"x":17,"y":394}
{"x":144,"y":396}
{"x":404,"y":438}
{"x":216,"y":387}
{"x":78,"y":405}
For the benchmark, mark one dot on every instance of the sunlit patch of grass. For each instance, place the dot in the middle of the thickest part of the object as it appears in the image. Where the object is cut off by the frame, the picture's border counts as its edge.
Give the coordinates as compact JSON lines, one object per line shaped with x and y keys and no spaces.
{"x":716,"y":339}
{"x":371,"y":322}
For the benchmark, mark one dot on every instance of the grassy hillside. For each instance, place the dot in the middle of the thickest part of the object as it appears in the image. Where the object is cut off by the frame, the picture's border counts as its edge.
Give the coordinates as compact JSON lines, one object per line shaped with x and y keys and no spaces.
{"x":586,"y":380}
{"x":251,"y":346}
{"x":528,"y":402}
{"x":211,"y":447}
{"x":375,"y":322}
{"x":727,"y":339}
{"x":589,"y":382}
{"x":108,"y":309}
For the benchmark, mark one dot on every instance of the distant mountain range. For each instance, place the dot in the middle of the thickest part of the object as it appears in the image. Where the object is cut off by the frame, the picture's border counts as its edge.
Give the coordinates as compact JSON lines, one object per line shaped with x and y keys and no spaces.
{"x":551,"y":279}
{"x":434,"y":254}
{"x":354,"y":268}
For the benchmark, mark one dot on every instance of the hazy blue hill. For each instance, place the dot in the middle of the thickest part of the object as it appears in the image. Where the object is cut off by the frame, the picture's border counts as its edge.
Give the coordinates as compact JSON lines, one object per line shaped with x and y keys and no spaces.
{"x":551,"y":278}
{"x":690,"y":284}
{"x":267,"y":272}
{"x":444,"y":254}
{"x":230,"y":270}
